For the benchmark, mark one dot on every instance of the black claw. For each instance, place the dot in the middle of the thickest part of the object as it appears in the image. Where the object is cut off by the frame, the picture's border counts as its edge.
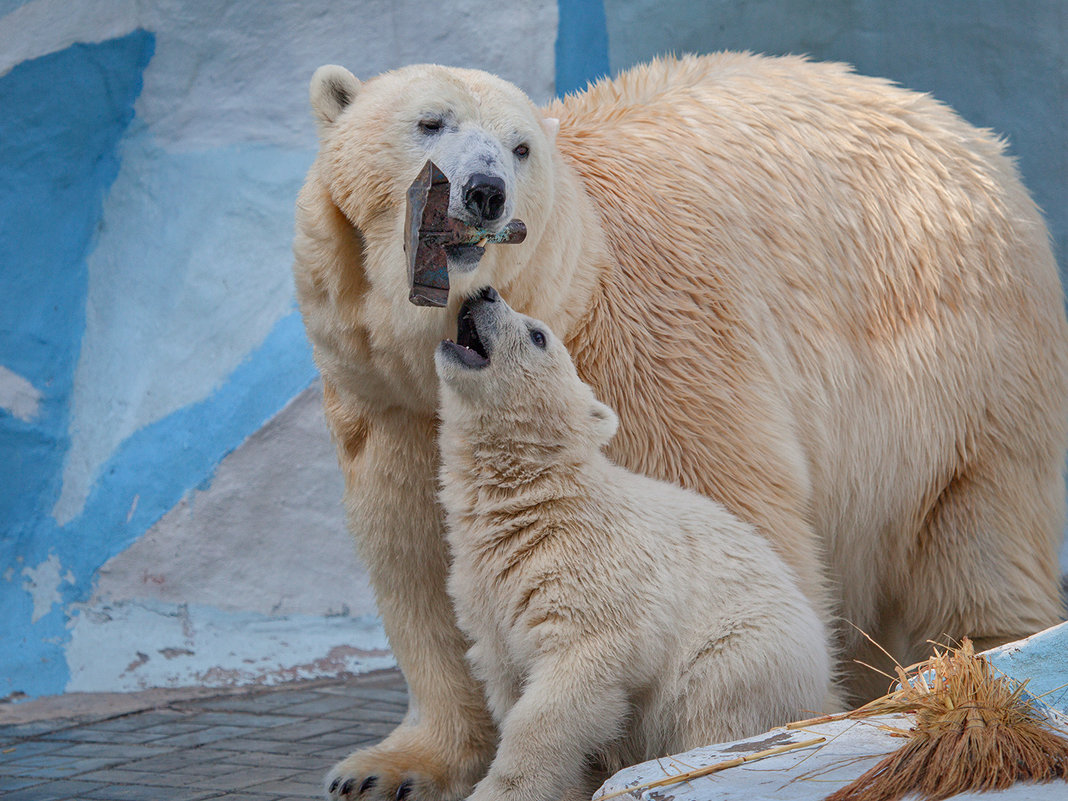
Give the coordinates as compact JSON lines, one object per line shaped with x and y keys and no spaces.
{"x":346,"y":788}
{"x":368,"y":783}
{"x":335,"y":783}
{"x":404,"y":789}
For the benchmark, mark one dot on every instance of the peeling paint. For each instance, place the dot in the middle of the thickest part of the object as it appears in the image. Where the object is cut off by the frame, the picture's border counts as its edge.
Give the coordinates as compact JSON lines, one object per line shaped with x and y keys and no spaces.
{"x":336,"y":662}
{"x":43,"y":583}
{"x":760,"y":745}
{"x":171,"y":653}
{"x":18,"y":396}
{"x":110,"y":647}
{"x":141,"y":659}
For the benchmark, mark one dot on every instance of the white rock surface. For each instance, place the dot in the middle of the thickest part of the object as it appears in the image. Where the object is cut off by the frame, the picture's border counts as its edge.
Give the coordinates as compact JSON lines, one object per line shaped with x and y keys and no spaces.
{"x":850,"y":747}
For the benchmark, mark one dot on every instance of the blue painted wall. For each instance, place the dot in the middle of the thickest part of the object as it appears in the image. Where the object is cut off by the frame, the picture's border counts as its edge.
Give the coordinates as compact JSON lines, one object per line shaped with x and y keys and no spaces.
{"x":64,"y":117}
{"x":581,"y":45}
{"x":147,"y":321}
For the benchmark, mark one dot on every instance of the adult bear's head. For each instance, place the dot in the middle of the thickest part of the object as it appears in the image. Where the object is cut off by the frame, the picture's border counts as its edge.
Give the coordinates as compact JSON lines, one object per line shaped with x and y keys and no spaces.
{"x":492,"y":143}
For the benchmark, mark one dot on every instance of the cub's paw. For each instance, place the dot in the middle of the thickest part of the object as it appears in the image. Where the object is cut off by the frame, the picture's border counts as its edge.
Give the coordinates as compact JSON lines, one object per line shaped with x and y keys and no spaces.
{"x":384,"y":774}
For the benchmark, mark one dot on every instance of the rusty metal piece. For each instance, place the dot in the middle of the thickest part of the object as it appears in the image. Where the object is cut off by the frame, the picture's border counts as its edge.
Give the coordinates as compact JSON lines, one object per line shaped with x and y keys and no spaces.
{"x":425,"y":226}
{"x":428,"y":229}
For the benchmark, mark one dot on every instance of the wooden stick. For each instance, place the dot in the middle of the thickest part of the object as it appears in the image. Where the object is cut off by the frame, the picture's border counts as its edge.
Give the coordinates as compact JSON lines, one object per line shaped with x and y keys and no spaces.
{"x":714,"y":768}
{"x":804,"y":724}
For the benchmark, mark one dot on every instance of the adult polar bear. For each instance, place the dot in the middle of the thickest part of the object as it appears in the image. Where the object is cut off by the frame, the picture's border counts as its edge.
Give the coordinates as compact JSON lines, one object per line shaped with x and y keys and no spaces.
{"x":822,"y":300}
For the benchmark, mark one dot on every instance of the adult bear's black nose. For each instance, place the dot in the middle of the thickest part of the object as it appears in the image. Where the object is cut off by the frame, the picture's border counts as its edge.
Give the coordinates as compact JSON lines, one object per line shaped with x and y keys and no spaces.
{"x":484,"y":197}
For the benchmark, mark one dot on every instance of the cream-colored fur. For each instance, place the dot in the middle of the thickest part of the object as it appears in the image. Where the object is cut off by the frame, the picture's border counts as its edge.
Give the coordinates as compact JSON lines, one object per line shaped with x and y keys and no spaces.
{"x":824,"y":301}
{"x":613,"y":618}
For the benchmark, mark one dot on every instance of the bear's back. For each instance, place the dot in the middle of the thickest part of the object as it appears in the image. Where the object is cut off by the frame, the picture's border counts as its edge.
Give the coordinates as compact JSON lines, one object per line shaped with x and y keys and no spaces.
{"x":817,"y":277}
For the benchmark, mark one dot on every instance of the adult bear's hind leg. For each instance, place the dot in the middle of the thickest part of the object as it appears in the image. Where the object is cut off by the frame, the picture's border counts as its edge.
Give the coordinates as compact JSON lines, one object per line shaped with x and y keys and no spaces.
{"x":985,"y":560}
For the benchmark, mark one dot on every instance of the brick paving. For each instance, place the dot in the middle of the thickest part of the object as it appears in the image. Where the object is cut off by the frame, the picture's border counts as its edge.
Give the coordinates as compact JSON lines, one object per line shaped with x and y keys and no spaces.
{"x":274,"y":744}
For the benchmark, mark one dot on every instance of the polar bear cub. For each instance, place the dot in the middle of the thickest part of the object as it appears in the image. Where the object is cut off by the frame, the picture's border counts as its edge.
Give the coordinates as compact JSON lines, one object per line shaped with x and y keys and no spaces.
{"x":614,"y":618}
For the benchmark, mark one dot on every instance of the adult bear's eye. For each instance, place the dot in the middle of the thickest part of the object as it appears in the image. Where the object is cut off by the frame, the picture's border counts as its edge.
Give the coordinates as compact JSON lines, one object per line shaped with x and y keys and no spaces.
{"x":538,"y":338}
{"x":430,"y":125}
{"x":521,"y":151}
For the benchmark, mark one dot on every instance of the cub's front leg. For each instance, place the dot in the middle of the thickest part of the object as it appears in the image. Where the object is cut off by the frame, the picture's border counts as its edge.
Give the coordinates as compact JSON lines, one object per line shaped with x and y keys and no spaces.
{"x":566,"y":713}
{"x":446,"y":740}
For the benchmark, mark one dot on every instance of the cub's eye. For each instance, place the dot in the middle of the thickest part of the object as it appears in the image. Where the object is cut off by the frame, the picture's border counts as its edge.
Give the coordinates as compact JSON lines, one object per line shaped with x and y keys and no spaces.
{"x":521,"y":151}
{"x":538,"y":338}
{"x":430,"y":125}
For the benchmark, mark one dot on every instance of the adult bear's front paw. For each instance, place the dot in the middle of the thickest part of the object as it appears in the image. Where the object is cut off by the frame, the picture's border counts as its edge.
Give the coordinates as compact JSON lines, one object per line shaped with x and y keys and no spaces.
{"x":343,"y":785}
{"x":404,"y":769}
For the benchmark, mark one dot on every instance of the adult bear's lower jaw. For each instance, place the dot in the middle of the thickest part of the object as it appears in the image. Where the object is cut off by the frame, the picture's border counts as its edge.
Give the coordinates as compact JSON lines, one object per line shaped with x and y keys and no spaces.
{"x":463,"y":258}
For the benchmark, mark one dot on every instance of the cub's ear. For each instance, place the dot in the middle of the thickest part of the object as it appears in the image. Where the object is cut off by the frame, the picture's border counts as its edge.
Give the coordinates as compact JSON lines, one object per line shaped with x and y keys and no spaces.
{"x":332,"y":89}
{"x":605,"y":422}
{"x":550,"y":125}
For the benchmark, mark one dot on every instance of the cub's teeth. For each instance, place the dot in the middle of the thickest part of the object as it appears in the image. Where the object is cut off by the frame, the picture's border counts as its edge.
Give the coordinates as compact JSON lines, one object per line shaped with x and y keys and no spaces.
{"x":482,"y":242}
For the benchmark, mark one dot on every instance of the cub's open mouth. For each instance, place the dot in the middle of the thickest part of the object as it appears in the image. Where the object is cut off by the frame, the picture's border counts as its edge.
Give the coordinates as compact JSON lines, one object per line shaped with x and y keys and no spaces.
{"x":468,"y":347}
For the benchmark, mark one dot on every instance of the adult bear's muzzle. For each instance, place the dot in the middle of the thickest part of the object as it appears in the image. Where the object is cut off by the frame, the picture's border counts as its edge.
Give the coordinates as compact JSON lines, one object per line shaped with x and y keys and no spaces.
{"x":484,"y":196}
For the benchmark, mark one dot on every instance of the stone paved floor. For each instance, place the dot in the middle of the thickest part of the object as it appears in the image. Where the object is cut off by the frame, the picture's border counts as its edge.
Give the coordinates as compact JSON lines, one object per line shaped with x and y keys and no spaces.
{"x":274,"y":744}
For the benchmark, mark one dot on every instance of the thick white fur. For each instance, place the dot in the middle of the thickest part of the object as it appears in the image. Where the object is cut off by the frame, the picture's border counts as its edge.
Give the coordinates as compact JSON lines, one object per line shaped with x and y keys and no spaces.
{"x":614,"y":618}
{"x":822,"y":300}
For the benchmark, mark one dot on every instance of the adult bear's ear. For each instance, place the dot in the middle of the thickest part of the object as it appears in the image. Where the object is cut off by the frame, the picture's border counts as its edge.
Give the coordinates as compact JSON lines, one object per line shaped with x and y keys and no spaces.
{"x":550,"y":125}
{"x":332,"y":89}
{"x":605,"y":422}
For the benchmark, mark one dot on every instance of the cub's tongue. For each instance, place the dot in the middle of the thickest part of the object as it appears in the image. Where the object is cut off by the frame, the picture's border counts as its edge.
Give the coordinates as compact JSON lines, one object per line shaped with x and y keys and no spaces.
{"x":431,"y":236}
{"x":467,"y":332}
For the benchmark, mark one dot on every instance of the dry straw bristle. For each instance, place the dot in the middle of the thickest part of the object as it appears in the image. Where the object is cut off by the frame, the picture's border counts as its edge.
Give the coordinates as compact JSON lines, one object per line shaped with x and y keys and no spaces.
{"x":973,"y":731}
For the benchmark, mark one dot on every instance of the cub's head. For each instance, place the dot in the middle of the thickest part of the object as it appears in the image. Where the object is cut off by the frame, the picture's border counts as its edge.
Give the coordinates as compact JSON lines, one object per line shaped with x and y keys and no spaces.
{"x":507,"y":373}
{"x":483,"y":133}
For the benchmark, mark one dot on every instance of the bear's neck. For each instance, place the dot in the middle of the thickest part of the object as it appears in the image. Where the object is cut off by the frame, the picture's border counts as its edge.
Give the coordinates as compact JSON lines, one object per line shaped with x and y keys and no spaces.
{"x":490,"y":468}
{"x":556,"y":280}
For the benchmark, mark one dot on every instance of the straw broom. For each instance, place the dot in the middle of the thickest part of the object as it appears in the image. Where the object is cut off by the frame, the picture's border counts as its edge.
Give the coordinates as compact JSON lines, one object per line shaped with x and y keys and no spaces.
{"x":973,"y":731}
